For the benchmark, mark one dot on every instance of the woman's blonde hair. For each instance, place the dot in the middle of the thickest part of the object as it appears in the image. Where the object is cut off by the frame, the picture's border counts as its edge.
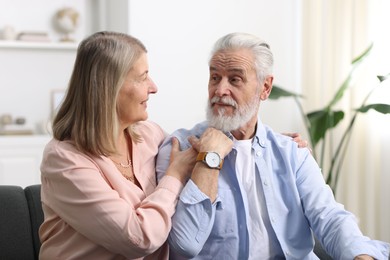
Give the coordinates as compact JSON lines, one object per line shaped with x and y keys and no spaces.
{"x":88,"y":114}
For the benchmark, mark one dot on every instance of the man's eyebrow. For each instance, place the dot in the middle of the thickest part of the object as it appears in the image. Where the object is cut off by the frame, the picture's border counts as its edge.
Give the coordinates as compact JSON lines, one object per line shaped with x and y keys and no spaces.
{"x":240,"y":71}
{"x":213,"y":68}
{"x":236,"y":70}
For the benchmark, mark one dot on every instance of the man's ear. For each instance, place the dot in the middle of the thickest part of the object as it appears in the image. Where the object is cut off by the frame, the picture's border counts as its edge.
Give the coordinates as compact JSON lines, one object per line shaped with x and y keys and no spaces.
{"x":267,"y":87}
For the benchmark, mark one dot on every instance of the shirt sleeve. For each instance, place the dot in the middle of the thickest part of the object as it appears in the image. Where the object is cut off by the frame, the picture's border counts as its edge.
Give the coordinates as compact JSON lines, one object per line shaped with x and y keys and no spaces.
{"x":335,"y":227}
{"x":193,"y":221}
{"x":195,"y":214}
{"x":163,"y":158}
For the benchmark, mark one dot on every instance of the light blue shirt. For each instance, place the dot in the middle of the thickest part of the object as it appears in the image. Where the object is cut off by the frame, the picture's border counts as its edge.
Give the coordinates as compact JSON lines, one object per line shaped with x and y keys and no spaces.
{"x":298,"y":202}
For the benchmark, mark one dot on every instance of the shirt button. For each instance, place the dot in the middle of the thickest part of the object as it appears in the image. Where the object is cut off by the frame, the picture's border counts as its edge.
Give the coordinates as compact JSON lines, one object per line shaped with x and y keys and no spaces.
{"x":262,"y":143}
{"x":258,"y":153}
{"x":265,"y":183}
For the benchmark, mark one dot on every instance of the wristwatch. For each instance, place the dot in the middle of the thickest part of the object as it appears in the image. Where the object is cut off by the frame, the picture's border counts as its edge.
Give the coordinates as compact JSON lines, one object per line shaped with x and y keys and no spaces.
{"x":212,"y":159}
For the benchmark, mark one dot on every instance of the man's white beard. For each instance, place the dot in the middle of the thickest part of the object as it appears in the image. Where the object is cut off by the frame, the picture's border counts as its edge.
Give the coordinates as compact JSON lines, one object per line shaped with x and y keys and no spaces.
{"x":240,"y":116}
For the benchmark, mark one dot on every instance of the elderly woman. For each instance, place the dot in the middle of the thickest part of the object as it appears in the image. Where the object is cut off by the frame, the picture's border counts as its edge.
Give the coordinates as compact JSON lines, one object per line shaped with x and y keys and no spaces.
{"x":99,"y":193}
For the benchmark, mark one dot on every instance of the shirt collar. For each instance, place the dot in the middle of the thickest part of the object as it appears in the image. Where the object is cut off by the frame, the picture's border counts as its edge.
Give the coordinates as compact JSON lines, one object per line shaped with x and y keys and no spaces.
{"x":260,"y":137}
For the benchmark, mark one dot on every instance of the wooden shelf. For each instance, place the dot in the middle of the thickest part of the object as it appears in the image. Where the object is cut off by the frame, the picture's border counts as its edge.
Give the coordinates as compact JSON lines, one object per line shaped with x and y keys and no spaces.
{"x":23,"y":140}
{"x":38,"y":45}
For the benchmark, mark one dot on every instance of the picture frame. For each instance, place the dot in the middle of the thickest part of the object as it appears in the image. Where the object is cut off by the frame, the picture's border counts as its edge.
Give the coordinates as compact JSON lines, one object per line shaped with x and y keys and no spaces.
{"x":57,"y":96}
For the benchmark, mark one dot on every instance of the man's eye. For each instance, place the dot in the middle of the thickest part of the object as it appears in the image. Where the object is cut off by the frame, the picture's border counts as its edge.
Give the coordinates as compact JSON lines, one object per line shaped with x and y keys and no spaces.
{"x":235,"y":80}
{"x":214,"y":78}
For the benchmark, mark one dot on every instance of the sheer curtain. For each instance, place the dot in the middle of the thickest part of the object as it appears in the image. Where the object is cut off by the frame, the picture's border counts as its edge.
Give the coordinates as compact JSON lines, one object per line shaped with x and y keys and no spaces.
{"x":334,"y":33}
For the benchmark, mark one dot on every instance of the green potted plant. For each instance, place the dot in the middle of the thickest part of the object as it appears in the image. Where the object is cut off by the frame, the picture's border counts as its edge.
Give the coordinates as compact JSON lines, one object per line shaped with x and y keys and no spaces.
{"x":320,"y":123}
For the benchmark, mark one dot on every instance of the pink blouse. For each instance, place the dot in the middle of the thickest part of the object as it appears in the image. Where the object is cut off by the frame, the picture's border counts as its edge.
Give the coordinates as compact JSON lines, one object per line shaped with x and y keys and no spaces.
{"x":93,"y":212}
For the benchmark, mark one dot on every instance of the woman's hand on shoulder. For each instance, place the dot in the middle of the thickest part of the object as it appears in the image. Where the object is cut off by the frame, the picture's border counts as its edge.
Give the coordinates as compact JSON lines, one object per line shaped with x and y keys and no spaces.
{"x":296,"y":137}
{"x":181,"y":162}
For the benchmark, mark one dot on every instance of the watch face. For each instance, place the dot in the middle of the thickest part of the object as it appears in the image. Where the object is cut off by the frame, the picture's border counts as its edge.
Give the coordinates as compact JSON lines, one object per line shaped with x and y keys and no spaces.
{"x":212,"y":160}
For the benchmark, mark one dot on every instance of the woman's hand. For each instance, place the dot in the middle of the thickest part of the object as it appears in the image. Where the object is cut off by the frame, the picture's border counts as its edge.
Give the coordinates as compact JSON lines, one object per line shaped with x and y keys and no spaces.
{"x":298,"y":139}
{"x":181,"y":162}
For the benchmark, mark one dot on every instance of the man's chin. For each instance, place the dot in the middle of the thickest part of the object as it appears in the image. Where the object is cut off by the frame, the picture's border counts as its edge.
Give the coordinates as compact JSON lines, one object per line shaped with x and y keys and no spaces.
{"x":224,"y":124}
{"x":226,"y":113}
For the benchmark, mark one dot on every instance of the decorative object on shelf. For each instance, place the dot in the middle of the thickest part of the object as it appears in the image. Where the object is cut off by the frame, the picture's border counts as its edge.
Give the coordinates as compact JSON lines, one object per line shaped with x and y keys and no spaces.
{"x":8,"y":126}
{"x":33,"y":36}
{"x":5,"y":119}
{"x":8,"y":33}
{"x":20,"y":121}
{"x":66,"y":21}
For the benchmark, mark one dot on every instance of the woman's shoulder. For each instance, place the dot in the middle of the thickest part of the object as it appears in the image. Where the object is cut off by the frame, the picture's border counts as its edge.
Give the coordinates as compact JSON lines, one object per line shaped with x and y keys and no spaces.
{"x":56,"y":149}
{"x":149,"y":126}
{"x":150,"y":130}
{"x":55,"y":145}
{"x":62,"y":154}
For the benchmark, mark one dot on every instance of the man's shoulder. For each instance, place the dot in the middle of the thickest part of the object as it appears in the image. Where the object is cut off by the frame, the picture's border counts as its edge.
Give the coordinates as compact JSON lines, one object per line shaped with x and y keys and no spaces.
{"x":281,"y":141}
{"x":196,"y":130}
{"x":271,"y":135}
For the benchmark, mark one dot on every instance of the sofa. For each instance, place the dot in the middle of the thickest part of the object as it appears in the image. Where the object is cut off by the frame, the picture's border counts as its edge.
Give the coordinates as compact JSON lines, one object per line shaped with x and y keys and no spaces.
{"x":20,"y":217}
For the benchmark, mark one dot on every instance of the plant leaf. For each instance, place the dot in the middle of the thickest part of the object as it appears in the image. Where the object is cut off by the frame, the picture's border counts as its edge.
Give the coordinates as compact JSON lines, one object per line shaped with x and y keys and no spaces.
{"x":278,"y":92}
{"x":381,"y":108}
{"x":321,"y":121}
{"x":355,"y":63}
{"x":383,"y":77}
{"x":363,"y":55}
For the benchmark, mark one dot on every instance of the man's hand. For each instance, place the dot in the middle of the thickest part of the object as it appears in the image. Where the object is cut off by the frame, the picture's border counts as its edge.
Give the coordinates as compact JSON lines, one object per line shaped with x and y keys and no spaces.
{"x":212,"y":140}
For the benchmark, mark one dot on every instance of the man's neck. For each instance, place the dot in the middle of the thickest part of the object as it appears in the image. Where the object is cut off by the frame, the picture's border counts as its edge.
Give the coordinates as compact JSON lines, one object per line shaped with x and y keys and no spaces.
{"x":247,"y":131}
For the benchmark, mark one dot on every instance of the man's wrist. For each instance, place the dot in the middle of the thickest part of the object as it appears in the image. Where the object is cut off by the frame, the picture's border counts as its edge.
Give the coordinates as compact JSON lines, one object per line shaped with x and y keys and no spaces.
{"x":211,"y":159}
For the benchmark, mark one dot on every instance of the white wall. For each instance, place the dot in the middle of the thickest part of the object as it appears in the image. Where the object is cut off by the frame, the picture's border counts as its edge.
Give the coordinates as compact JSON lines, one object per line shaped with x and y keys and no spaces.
{"x":27,"y":79}
{"x":179,"y":35}
{"x":28,"y":75}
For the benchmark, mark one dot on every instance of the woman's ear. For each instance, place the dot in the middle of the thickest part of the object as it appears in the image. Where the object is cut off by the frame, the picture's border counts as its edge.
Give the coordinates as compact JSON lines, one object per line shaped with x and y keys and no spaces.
{"x":267,"y":87}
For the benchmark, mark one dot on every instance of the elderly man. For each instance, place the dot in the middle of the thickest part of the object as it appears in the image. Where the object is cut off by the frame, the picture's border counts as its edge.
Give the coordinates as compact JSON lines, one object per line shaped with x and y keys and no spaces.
{"x":252,"y":193}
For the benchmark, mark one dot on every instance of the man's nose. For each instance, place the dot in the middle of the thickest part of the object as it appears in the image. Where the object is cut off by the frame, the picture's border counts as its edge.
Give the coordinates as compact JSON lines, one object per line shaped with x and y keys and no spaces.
{"x":223,"y":88}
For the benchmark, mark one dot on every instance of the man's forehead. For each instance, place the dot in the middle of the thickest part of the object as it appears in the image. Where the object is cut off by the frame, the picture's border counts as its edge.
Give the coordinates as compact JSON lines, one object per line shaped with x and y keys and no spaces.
{"x":232,"y":60}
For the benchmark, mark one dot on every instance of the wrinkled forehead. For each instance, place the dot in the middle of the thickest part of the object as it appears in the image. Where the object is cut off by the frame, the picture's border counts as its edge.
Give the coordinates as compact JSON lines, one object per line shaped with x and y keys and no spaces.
{"x":232,"y":60}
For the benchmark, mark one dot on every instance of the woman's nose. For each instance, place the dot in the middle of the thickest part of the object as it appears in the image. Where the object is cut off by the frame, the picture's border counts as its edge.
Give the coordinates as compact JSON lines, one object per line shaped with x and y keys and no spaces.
{"x":152,"y":87}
